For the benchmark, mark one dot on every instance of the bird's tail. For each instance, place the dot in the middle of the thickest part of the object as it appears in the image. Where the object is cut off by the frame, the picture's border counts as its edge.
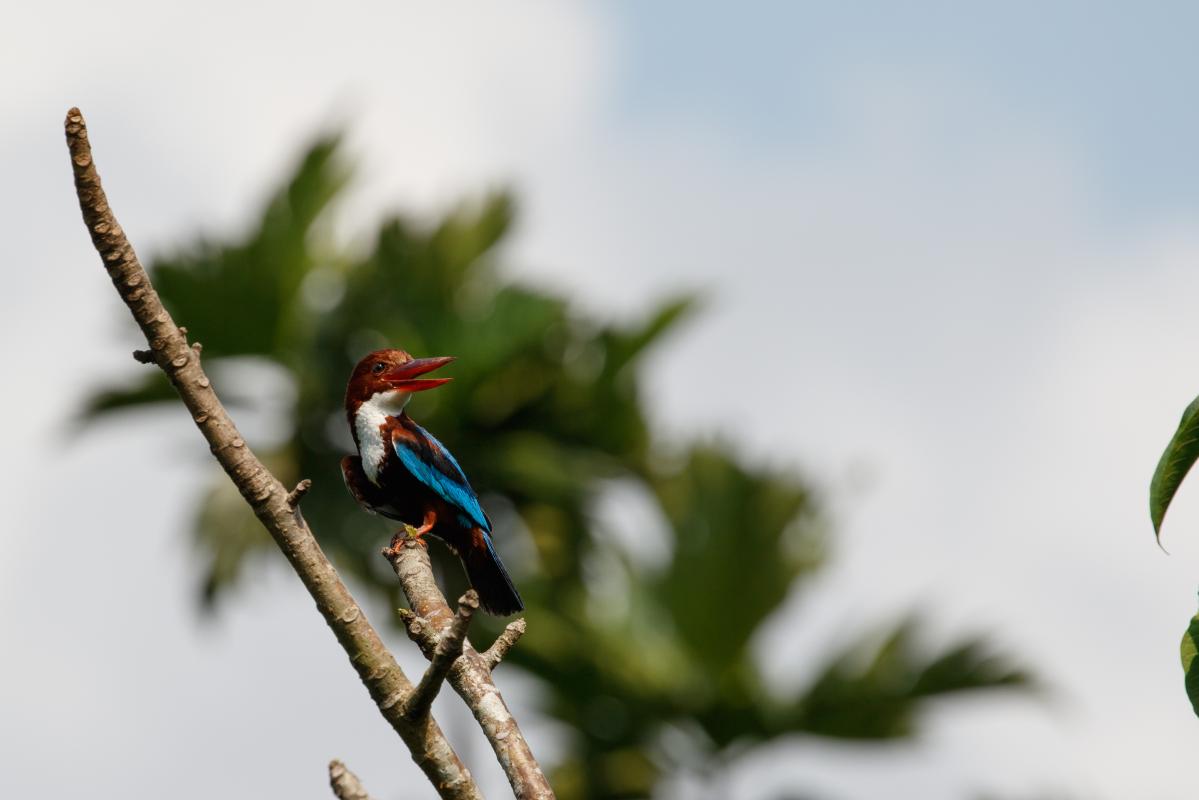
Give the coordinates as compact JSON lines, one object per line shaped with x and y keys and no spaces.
{"x":487,"y":575}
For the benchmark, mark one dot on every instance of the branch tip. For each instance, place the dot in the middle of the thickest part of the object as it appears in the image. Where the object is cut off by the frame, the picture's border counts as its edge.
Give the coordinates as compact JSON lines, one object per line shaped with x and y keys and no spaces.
{"x":419,"y":631}
{"x":504,"y":642}
{"x":345,"y":784}
{"x":297,"y":494}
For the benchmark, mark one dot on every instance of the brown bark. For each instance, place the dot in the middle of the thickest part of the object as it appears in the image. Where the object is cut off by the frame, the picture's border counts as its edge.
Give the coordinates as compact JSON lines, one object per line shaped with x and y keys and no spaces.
{"x":270,"y":500}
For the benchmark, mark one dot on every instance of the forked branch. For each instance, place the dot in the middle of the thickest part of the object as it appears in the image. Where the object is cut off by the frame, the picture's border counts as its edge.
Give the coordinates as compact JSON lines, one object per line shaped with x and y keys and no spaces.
{"x":445,"y":652}
{"x":429,"y":622}
{"x":269,"y":499}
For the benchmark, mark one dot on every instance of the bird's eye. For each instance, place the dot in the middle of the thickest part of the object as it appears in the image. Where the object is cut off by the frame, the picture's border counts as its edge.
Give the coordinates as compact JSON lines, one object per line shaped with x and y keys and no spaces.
{"x":378,"y":368}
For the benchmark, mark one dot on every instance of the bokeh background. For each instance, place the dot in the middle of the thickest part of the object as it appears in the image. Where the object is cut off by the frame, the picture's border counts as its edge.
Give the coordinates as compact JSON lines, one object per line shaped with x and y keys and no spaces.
{"x":945,"y":259}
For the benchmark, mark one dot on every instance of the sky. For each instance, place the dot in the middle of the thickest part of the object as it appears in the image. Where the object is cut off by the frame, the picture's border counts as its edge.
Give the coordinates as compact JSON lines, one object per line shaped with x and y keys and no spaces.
{"x":952,"y":248}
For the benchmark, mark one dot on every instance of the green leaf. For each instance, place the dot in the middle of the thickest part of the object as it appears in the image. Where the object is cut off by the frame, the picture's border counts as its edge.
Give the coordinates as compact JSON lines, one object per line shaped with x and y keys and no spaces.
{"x":1190,"y":667}
{"x":626,"y":344}
{"x":723,"y":512}
{"x":243,"y":298}
{"x":875,"y":687}
{"x":150,"y":388}
{"x":1174,"y":465}
{"x":153,"y":387}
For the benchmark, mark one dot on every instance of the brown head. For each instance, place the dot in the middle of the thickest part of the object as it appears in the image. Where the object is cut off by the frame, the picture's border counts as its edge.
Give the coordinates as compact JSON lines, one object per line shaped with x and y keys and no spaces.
{"x":393,"y":374}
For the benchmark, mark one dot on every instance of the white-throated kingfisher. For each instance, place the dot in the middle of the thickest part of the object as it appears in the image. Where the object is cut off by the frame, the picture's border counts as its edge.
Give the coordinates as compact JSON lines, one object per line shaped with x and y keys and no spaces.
{"x":403,"y":473}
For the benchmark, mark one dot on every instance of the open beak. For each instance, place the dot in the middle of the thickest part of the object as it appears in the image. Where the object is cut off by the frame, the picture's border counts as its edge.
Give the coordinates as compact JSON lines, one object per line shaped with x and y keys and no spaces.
{"x":404,"y":376}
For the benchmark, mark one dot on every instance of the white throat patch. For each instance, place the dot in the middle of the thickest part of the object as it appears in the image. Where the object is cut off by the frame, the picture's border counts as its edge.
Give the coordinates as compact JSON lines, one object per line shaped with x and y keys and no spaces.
{"x":368,"y":422}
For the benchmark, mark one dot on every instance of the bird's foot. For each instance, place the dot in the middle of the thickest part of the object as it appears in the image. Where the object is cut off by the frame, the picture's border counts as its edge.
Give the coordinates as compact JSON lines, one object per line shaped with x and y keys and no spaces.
{"x":410,"y":533}
{"x":402,"y":537}
{"x":426,"y":525}
{"x":415,"y":534}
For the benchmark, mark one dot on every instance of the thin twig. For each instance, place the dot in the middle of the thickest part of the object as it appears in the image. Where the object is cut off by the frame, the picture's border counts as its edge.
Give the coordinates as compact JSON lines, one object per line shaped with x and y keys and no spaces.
{"x":297,"y":494}
{"x":264,"y":493}
{"x":345,"y":783}
{"x":503,"y":643}
{"x":448,"y":649}
{"x":469,"y":675}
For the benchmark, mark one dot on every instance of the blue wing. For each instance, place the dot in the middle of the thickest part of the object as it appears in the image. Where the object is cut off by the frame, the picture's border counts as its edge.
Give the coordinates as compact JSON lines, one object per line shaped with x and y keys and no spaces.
{"x":433,"y":465}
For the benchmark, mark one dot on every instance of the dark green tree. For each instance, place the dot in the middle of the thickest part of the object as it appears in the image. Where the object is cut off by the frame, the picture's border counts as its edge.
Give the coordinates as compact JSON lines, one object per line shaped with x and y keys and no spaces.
{"x":547,"y":415}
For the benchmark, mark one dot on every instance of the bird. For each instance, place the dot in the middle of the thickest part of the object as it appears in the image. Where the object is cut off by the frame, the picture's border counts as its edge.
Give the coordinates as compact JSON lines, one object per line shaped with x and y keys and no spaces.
{"x":403,"y":473}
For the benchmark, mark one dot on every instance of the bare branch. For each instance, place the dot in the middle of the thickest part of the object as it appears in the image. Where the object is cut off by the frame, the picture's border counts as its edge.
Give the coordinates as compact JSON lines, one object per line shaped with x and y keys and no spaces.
{"x":448,"y":649}
{"x":503,"y":643}
{"x":470,"y":674}
{"x":345,"y":783}
{"x":376,"y":667}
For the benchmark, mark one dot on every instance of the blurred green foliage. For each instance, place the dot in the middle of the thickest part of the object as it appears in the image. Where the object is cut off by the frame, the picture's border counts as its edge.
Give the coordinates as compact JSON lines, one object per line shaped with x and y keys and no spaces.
{"x":546,"y":414}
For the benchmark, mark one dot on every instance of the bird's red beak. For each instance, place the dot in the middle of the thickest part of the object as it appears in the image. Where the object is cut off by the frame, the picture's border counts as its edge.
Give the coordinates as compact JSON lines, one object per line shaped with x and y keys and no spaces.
{"x":403,"y":376}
